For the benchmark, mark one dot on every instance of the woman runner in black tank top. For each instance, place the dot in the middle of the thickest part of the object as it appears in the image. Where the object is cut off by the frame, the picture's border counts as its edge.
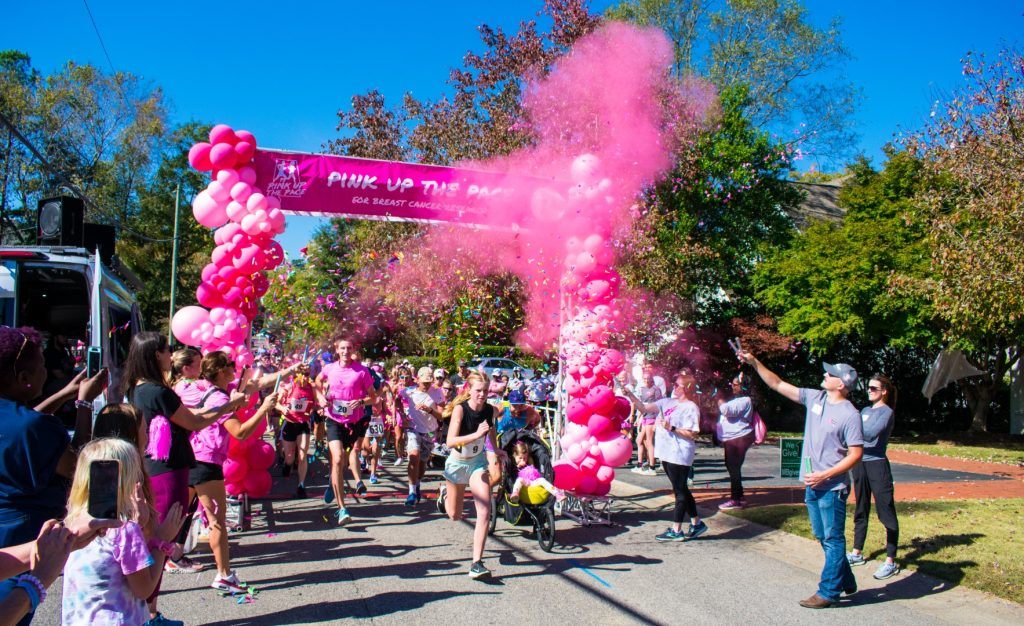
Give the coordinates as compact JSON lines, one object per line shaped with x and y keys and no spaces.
{"x":470,"y":429}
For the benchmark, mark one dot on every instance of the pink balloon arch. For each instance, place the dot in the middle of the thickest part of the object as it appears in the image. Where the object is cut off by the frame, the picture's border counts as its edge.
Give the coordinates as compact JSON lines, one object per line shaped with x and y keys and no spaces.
{"x":246,"y":218}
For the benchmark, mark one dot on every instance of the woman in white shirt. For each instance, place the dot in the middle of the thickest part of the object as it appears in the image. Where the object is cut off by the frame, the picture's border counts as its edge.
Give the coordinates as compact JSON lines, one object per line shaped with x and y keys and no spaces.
{"x":677,"y":426}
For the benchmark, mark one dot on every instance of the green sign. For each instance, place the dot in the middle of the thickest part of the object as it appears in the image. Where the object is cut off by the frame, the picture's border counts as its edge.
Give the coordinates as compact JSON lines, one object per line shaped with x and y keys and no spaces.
{"x":791,"y":451}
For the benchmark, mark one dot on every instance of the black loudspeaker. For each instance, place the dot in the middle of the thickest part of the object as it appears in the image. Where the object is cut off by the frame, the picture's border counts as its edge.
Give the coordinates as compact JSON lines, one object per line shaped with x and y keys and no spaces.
{"x":100,"y":236}
{"x":61,"y":222}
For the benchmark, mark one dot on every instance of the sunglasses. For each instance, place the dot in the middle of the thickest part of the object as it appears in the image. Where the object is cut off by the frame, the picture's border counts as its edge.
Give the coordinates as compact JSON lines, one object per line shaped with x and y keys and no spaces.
{"x":874,"y":388}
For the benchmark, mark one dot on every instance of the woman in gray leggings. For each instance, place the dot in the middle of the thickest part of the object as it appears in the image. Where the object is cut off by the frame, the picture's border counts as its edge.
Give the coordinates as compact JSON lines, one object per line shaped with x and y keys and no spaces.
{"x":873,"y":477}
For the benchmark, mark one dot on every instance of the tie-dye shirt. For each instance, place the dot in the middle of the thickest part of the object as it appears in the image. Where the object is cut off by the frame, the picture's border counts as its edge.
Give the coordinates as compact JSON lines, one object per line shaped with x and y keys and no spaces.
{"x":96,"y":589}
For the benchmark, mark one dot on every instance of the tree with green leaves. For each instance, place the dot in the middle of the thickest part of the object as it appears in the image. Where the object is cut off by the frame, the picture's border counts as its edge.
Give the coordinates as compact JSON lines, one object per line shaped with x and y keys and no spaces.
{"x":788,"y":65}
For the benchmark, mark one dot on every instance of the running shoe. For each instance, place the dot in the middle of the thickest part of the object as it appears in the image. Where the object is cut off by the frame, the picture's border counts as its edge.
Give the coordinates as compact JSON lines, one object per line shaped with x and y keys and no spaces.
{"x":329,"y":495}
{"x":649,"y":471}
{"x":855,"y":559}
{"x":360,"y":489}
{"x":730,"y":505}
{"x":411,"y":500}
{"x":300,"y":491}
{"x":228,"y":583}
{"x":637,"y":469}
{"x":442,"y":497}
{"x":886,"y":570}
{"x":183,"y":565}
{"x":696,"y":531}
{"x":373,"y":479}
{"x":399,"y":461}
{"x":671,"y":535}
{"x":160,"y":620}
{"x":477,"y":570}
{"x":343,"y":517}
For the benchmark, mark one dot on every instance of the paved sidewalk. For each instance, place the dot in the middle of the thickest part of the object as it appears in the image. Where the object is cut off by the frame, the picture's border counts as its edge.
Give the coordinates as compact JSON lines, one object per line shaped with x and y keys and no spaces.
{"x":394,"y":565}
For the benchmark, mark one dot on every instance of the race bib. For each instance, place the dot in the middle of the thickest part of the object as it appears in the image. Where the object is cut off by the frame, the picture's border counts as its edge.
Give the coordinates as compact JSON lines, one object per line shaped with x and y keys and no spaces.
{"x":471,"y":449}
{"x":376,"y":429}
{"x":299,"y":405}
{"x":339,"y":407}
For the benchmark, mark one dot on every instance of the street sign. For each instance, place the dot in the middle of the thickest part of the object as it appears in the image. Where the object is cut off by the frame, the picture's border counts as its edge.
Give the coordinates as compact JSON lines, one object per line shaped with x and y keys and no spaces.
{"x":791,"y":450}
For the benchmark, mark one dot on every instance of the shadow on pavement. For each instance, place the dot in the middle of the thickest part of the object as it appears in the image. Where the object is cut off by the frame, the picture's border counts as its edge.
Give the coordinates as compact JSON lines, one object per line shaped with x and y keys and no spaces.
{"x":379,"y":605}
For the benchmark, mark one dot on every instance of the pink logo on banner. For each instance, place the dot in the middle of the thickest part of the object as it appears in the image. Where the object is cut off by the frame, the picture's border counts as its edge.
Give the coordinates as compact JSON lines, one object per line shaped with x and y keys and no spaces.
{"x":314,"y":184}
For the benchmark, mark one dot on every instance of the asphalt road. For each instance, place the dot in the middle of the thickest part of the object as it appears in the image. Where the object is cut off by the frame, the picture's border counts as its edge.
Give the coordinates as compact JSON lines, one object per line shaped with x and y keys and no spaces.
{"x":395,"y":565}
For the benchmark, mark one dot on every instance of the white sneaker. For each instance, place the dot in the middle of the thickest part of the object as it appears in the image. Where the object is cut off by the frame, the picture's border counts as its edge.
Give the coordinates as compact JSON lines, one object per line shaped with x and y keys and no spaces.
{"x":399,"y":461}
{"x":650,"y":471}
{"x":229,"y":583}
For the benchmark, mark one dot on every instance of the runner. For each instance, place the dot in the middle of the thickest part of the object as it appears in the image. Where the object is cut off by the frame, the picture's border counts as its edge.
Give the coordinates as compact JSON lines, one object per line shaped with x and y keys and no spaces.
{"x":470,"y":431}
{"x":374,"y":441}
{"x":736,"y":432}
{"x":296,"y":403}
{"x":519,"y":414}
{"x":422,"y":405}
{"x":346,"y":387}
{"x":402,"y":379}
{"x":873,"y":477}
{"x":833,"y":445}
{"x":676,"y":430}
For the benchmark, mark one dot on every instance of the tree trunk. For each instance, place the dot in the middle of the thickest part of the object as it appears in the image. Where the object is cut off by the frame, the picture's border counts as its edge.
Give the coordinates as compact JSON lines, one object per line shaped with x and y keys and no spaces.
{"x":979,"y":403}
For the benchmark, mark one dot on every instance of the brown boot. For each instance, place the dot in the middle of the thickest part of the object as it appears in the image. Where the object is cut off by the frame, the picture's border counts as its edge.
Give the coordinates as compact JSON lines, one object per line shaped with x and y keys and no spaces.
{"x":815,"y":602}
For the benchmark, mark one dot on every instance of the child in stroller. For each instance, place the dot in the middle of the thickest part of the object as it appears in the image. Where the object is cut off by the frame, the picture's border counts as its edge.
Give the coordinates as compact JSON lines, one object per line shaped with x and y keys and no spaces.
{"x":533,"y":506}
{"x":528,"y":474}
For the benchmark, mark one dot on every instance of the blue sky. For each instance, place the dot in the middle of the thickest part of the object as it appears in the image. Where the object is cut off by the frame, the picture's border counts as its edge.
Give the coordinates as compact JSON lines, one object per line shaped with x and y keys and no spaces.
{"x":282,"y":70}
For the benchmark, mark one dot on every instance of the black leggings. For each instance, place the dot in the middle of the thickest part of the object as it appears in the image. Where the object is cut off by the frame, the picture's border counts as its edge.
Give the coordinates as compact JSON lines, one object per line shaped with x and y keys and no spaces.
{"x":875,"y":478}
{"x":735,"y":454}
{"x":686,"y":506}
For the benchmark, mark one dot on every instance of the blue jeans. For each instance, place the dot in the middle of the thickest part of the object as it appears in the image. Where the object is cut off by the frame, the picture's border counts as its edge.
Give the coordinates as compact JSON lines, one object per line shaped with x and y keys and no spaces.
{"x":827,"y":511}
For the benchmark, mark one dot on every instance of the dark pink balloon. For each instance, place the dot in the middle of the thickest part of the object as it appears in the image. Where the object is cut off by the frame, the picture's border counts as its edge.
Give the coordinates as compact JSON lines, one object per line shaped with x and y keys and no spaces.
{"x":199,"y":157}
{"x":222,"y":133}
{"x":222,"y":155}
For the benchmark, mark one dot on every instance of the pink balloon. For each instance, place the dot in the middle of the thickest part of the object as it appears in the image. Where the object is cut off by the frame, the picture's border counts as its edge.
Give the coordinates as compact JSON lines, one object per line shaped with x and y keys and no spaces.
{"x":616,"y":451}
{"x":600,"y":399}
{"x":244,"y":135}
{"x":219,"y":192}
{"x":228,"y":178}
{"x":600,"y":424}
{"x":621,"y":408}
{"x":222,"y":155}
{"x":247,"y":175}
{"x":601,"y":488}
{"x":257,"y":484}
{"x":208,"y":211}
{"x":244,"y":152}
{"x":576,"y":453}
{"x":186,"y":320}
{"x":235,"y":470}
{"x":567,"y":475}
{"x":605,"y":474}
{"x":261,"y":456}
{"x":234,"y":489}
{"x":256,"y":202}
{"x":593,"y":243}
{"x":578,"y":411}
{"x":208,"y":296}
{"x":242,"y":190}
{"x":222,"y":133}
{"x":587,"y":485}
{"x":599,"y":290}
{"x":585,"y":263}
{"x":209,"y":270}
{"x":199,"y":157}
{"x":589,"y":466}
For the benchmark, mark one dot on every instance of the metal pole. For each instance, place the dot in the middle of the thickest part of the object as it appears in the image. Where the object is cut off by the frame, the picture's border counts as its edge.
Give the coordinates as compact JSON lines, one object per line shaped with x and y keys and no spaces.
{"x":174,"y":264}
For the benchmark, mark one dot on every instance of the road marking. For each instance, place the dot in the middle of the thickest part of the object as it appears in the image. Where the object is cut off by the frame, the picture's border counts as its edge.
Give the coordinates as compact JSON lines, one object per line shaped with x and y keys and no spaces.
{"x":586,"y":571}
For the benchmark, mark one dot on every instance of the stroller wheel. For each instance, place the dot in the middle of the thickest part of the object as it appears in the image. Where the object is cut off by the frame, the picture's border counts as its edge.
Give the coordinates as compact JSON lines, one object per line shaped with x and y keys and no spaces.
{"x":546,"y":528}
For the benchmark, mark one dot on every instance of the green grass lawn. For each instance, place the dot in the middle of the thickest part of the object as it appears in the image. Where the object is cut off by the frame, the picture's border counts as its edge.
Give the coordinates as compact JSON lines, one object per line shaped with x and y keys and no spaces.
{"x":977,"y":543}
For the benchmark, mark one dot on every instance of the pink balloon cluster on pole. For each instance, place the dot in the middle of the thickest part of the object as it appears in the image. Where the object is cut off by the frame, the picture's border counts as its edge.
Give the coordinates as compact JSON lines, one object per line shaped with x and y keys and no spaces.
{"x":246,"y":221}
{"x":592,"y":444}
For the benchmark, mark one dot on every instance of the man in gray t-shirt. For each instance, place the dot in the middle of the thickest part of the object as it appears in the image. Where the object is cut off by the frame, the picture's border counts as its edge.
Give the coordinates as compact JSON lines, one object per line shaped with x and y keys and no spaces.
{"x":833,"y":444}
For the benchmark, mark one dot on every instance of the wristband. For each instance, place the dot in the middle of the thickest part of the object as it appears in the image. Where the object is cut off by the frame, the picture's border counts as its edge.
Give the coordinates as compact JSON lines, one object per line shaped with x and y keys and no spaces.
{"x":163,"y":546}
{"x":83,"y":404}
{"x":34,"y":589}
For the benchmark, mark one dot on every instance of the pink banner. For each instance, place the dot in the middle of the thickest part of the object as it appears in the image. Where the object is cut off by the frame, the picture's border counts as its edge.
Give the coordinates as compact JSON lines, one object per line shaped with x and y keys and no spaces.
{"x":335,"y":186}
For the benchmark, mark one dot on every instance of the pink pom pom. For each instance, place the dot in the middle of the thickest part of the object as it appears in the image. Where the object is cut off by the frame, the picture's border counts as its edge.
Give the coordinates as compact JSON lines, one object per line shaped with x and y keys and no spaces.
{"x":159,"y":447}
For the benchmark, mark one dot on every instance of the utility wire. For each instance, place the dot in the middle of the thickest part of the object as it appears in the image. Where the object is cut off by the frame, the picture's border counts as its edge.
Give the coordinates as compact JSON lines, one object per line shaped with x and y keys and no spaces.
{"x":96,"y":28}
{"x":72,"y":186}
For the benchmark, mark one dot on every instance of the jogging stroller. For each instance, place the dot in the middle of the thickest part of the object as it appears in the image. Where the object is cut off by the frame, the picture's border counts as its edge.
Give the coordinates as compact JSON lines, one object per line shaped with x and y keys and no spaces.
{"x":536,"y":506}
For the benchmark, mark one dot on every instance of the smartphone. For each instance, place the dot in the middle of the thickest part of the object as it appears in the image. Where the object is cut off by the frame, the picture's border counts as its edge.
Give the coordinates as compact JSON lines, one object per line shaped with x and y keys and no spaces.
{"x":104,"y":485}
{"x":93,"y":360}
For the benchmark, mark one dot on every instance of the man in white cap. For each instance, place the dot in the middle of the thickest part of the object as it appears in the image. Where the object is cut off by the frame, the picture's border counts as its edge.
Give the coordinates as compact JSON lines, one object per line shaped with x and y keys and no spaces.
{"x":422,"y":404}
{"x":833,"y":444}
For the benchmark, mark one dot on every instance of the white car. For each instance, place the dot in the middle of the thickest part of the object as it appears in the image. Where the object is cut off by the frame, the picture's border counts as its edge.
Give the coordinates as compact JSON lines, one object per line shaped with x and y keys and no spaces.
{"x":505,"y":366}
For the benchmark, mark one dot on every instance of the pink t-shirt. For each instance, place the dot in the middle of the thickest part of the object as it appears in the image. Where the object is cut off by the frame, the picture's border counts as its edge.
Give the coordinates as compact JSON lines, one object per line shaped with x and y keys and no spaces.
{"x":210,"y":444}
{"x":344,"y":384}
{"x":96,"y":587}
{"x":300,"y":401}
{"x":191,"y":392}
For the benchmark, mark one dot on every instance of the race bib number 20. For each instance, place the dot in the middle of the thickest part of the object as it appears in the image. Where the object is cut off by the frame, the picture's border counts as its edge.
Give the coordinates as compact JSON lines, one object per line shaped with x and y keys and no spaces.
{"x":339,"y":407}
